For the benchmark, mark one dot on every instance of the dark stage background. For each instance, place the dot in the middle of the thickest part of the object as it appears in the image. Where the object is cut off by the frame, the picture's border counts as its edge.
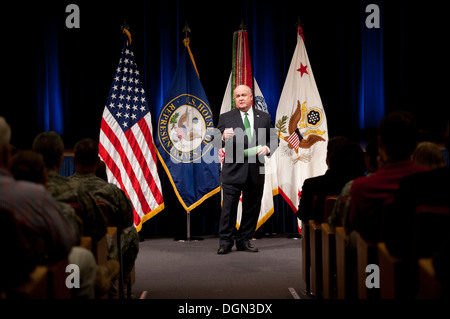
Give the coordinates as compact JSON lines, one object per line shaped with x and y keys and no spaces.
{"x":59,"y":78}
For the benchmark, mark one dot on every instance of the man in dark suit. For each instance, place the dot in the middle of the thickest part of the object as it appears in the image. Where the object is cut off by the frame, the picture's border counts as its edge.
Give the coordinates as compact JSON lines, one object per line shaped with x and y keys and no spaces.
{"x":247,"y":136}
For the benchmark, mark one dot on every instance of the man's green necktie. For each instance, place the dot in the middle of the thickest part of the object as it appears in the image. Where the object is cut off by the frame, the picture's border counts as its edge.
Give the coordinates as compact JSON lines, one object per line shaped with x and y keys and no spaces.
{"x":247,"y":128}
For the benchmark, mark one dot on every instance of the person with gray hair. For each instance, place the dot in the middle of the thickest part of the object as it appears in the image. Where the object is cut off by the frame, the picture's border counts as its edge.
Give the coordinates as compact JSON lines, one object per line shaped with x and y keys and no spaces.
{"x":36,"y":211}
{"x":33,"y":205}
{"x":247,"y":135}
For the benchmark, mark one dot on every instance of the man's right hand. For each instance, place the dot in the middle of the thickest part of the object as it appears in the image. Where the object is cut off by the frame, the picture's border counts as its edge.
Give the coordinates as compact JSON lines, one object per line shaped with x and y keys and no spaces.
{"x":228,"y":133}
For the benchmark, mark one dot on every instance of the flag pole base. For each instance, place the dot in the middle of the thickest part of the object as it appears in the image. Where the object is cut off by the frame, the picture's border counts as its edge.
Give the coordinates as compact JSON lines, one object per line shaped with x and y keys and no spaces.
{"x":185,"y":239}
{"x":188,"y":237}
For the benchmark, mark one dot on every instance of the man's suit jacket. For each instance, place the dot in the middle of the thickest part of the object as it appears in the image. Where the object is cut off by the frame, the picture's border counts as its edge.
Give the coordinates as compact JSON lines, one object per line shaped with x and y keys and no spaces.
{"x":236,"y":166}
{"x":329,"y":184}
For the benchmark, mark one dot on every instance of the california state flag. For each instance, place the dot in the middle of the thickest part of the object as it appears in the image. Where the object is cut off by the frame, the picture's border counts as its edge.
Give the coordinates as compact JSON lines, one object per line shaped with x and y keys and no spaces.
{"x":242,"y":74}
{"x":302,"y":128}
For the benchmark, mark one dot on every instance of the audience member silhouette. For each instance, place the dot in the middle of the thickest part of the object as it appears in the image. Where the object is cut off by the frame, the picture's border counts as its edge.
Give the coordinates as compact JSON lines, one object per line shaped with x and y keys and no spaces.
{"x":405,"y":237}
{"x":121,"y":214}
{"x":428,"y":154}
{"x":33,"y":206}
{"x":16,"y":245}
{"x":28,"y":165}
{"x":345,"y":160}
{"x":397,"y":139}
{"x":340,"y":215}
{"x":41,"y":220}
{"x":51,"y":146}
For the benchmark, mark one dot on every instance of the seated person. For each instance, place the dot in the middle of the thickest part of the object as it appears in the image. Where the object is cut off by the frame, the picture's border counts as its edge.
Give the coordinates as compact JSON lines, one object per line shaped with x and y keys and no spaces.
{"x":340,"y":214}
{"x":29,"y":166}
{"x":428,"y":154}
{"x":16,"y":244}
{"x":33,"y":207}
{"x":429,"y":188}
{"x":397,"y":139}
{"x":121,"y":214}
{"x":345,"y":161}
{"x":51,"y":146}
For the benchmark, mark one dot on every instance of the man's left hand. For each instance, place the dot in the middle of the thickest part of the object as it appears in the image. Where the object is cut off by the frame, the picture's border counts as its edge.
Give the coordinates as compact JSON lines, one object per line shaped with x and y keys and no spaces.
{"x":263,"y":151}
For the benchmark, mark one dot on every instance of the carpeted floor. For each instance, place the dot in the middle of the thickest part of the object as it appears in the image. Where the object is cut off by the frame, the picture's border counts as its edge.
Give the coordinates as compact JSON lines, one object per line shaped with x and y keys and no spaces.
{"x":169,"y":269}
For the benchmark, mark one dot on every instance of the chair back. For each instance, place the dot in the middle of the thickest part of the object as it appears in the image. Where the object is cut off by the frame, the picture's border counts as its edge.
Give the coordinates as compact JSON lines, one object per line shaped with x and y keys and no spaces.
{"x":328,"y":206}
{"x":431,"y":229}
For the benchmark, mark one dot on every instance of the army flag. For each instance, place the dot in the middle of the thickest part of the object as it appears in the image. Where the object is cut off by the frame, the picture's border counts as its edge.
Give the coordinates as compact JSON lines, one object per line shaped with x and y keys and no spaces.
{"x":241,"y":74}
{"x":126,"y":141}
{"x":302,"y":128}
{"x":185,"y":133}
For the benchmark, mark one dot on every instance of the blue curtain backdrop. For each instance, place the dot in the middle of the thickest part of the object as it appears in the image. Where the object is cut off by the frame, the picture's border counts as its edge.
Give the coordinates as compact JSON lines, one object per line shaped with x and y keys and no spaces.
{"x":59,"y":78}
{"x":371,"y":85}
{"x":50,"y":106}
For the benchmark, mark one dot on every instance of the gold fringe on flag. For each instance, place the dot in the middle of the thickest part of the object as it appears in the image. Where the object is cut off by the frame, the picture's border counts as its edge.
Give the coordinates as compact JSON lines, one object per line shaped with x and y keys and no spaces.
{"x":125,"y":30}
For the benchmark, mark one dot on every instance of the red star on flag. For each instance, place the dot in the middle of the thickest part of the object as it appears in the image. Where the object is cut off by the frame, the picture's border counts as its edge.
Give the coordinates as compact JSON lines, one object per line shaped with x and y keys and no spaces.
{"x":302,"y":69}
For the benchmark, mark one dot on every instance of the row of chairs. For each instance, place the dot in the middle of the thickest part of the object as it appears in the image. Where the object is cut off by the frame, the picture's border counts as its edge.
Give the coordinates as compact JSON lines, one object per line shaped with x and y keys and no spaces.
{"x":331,"y":269}
{"x":319,"y":271}
{"x":49,"y":281}
{"x":100,"y":251}
{"x":45,"y":282}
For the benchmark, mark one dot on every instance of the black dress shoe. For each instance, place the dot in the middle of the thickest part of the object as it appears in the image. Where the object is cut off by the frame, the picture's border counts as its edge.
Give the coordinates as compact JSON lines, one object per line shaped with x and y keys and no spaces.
{"x":223,"y":250}
{"x":247,"y":247}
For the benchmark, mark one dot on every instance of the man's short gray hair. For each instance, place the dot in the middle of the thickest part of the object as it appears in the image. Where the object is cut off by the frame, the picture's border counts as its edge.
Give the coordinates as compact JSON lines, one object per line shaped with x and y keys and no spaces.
{"x":243,"y":86}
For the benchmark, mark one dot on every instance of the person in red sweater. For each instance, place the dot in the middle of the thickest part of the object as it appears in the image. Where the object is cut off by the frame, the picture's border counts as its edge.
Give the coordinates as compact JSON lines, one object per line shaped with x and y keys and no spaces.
{"x":397,"y":139}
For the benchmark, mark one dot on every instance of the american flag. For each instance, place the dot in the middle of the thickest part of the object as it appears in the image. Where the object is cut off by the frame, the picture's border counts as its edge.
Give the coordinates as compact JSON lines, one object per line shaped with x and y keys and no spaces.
{"x":295,"y":139}
{"x":126,"y":141}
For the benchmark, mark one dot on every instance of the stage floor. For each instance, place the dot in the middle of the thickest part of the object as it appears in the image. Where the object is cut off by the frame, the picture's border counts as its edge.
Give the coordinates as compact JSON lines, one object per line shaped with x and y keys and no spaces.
{"x":170,"y":269}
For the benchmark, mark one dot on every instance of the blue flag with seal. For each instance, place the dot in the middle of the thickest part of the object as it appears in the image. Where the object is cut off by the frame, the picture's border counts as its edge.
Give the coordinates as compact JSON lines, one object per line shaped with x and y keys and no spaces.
{"x":185,"y":136}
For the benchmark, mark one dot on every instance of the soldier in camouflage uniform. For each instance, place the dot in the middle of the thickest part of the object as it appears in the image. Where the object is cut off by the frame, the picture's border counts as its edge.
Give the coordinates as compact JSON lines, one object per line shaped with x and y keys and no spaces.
{"x":120,"y":207}
{"x":64,"y":189}
{"x":51,"y":146}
